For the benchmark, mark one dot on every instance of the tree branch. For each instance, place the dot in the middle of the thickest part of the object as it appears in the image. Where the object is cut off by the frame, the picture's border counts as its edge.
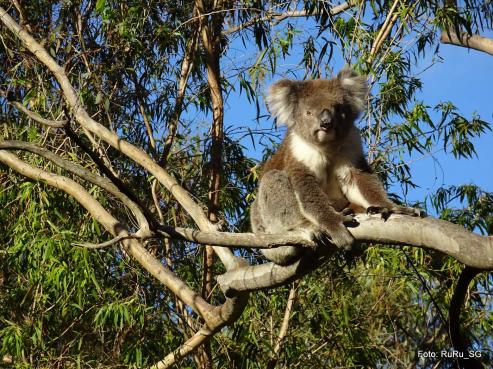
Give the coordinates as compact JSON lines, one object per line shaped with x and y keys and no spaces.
{"x":186,"y":68}
{"x":198,"y":339}
{"x":38,"y":118}
{"x":241,"y":240}
{"x":279,"y":17}
{"x":284,"y":327}
{"x":460,"y":342}
{"x":464,"y":39}
{"x":469,"y":248}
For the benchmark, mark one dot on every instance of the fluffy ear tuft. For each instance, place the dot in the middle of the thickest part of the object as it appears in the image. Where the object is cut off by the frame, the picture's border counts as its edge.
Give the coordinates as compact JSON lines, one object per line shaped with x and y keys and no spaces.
{"x":281,"y":101}
{"x":355,"y":85}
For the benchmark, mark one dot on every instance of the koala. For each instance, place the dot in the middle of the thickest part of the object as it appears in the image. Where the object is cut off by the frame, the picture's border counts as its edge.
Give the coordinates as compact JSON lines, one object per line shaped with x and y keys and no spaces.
{"x":319,"y":171}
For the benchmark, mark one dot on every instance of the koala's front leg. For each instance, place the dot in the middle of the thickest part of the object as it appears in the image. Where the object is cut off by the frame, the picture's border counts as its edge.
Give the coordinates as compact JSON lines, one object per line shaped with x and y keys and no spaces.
{"x":365,"y":189}
{"x":315,"y":206}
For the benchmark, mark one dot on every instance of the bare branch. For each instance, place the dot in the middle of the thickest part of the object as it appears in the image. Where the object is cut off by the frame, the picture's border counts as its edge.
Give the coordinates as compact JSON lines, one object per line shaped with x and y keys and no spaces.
{"x":241,"y":240}
{"x":186,"y":68}
{"x":188,"y":347}
{"x":37,"y":118}
{"x":109,"y":243}
{"x":464,"y":39}
{"x":143,"y":112}
{"x":284,"y":327}
{"x":279,"y":17}
{"x":384,"y":31}
{"x":460,"y":342}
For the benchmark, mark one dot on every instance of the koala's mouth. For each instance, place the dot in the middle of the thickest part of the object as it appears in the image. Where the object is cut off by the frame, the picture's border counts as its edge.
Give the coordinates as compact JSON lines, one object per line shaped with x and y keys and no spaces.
{"x":326,"y":128}
{"x":325,"y":132}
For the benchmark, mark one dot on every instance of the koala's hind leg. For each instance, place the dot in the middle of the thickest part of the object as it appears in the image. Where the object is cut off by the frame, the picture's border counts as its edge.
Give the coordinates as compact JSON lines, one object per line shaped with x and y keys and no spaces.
{"x":276,"y":210}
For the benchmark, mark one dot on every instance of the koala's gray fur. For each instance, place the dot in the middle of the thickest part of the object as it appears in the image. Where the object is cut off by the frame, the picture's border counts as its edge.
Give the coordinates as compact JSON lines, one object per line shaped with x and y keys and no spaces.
{"x":319,"y":169}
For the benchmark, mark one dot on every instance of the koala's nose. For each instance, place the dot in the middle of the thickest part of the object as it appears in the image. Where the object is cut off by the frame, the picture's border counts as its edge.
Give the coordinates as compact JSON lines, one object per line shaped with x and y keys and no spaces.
{"x":325,"y":117}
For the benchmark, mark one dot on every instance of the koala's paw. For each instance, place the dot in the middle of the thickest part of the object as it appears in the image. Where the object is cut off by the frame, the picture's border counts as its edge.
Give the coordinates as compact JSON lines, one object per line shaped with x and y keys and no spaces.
{"x":337,"y":234}
{"x":396,"y":209}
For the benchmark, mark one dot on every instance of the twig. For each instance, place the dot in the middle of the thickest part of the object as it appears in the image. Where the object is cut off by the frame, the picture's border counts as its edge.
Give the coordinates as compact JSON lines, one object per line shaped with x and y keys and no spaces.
{"x":284,"y":326}
{"x":36,"y":117}
{"x":384,"y":31}
{"x":109,"y":243}
{"x":279,"y":17}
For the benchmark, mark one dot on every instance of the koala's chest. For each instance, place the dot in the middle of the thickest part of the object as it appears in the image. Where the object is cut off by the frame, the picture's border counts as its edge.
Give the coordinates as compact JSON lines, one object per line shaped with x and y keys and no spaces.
{"x":330,"y":184}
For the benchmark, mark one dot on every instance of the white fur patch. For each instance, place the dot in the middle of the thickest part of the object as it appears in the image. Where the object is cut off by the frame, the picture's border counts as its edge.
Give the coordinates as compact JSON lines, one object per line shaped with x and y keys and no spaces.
{"x":279,"y":106}
{"x":348,"y":82}
{"x":311,"y":156}
{"x":350,"y":188}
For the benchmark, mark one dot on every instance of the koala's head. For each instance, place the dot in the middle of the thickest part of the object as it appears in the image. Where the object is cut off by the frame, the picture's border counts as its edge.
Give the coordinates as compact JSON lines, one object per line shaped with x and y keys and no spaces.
{"x":321,"y":110}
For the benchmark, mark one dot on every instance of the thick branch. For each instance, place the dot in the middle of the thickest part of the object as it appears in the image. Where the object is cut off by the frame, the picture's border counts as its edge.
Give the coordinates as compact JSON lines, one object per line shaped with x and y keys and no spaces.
{"x":464,"y":39}
{"x":469,"y":248}
{"x":210,"y":32}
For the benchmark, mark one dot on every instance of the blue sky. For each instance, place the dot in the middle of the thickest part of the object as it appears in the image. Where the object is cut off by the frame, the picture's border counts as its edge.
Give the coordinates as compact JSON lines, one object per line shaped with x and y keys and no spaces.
{"x":464,"y":77}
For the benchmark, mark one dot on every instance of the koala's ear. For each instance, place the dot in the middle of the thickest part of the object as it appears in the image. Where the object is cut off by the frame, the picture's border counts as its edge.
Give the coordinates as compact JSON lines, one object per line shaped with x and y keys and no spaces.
{"x":355,"y":85}
{"x":282,"y":100}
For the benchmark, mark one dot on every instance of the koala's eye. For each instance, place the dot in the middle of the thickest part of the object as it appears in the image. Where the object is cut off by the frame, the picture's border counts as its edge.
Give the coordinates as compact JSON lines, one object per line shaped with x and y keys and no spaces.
{"x":308,"y":112}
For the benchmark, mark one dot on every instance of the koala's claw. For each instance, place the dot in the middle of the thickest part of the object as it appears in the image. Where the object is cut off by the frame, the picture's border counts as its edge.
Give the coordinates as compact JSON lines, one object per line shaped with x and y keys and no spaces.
{"x":350,"y":221}
{"x":341,"y":238}
{"x":347,"y":211}
{"x":382,"y":210}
